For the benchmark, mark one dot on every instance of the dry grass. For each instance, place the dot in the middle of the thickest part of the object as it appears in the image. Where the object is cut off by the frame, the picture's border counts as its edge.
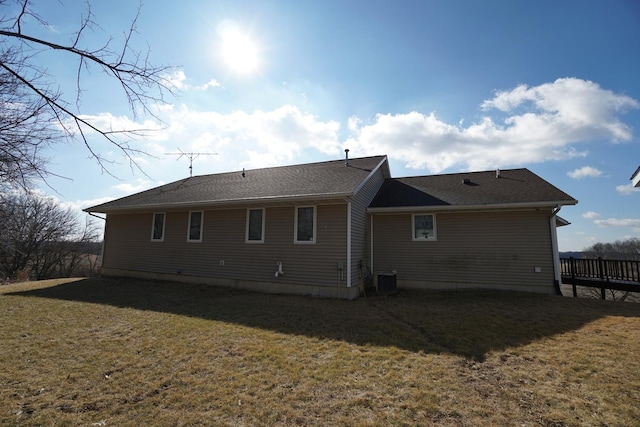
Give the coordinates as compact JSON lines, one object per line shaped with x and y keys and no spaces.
{"x":130,"y":352}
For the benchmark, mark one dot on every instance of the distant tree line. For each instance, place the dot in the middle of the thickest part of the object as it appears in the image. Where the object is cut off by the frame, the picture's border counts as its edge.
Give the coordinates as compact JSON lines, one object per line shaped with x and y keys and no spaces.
{"x":39,"y":239}
{"x":628,"y":249}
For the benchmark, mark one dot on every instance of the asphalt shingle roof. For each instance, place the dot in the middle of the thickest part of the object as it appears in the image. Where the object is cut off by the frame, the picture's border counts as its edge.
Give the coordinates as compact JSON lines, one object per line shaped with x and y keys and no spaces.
{"x":514,"y":187}
{"x":323,"y":180}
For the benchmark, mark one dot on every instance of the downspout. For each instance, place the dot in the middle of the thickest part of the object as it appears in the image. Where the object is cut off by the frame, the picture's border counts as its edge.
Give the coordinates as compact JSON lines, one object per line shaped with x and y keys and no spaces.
{"x":556,"y":254}
{"x":348,"y":243}
{"x":371,"y":249}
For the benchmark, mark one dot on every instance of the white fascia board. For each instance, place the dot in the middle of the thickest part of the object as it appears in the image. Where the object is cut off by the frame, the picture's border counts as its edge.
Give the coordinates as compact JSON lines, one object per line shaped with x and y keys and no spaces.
{"x":223,"y":203}
{"x":503,"y":206}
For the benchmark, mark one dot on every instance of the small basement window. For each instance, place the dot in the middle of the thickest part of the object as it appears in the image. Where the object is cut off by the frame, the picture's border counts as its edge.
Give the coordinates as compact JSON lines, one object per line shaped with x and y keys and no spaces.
{"x":157,"y":227}
{"x":195,"y":226}
{"x":423,"y":226}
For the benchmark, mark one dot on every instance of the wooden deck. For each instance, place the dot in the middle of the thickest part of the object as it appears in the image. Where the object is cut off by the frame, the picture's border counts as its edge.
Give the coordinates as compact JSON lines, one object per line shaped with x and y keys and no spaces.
{"x":621,"y":275}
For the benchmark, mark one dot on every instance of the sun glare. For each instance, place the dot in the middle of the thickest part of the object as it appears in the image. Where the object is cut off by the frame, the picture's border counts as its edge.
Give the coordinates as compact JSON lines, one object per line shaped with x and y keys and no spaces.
{"x":238,"y":50}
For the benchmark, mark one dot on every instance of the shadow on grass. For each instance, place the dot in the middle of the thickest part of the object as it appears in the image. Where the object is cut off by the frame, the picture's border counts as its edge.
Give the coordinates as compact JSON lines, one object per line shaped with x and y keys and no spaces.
{"x":469,"y":324}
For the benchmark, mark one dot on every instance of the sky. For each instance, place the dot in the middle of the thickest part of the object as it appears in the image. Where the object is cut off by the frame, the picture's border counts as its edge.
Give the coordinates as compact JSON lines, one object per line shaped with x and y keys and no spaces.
{"x":438,"y":86}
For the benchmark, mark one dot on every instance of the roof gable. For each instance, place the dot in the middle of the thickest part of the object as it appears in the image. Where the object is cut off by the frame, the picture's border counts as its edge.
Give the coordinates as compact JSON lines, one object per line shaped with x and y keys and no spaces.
{"x":512,"y":187}
{"x":323,"y":180}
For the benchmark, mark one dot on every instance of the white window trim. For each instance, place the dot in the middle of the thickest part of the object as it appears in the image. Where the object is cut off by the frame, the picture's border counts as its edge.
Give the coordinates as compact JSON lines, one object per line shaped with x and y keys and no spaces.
{"x":315,"y":223}
{"x":153,"y":225}
{"x":246,"y":235}
{"x":201,"y":228}
{"x":413,"y":228}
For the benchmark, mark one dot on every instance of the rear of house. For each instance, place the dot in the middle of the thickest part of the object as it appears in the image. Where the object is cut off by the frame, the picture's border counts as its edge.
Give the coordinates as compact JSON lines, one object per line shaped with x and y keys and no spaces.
{"x":323,"y":228}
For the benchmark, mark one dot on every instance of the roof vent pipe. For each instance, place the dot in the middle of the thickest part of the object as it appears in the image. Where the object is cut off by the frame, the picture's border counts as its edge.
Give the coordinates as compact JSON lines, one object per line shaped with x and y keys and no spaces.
{"x":497,"y":173}
{"x":346,"y":157}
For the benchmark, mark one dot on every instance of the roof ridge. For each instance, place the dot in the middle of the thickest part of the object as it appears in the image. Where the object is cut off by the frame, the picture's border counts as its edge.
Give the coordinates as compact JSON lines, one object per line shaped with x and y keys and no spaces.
{"x":297,"y":165}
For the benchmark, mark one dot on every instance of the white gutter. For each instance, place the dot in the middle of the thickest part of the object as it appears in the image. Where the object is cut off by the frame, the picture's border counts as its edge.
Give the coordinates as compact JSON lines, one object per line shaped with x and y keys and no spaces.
{"x":430,"y":208}
{"x":96,"y":216}
{"x":220,"y":203}
{"x":348,"y":243}
{"x":371,"y":250}
{"x":557,"y":273}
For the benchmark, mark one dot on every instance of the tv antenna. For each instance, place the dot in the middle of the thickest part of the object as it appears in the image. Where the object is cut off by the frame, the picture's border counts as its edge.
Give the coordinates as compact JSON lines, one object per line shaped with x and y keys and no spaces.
{"x":191,"y":157}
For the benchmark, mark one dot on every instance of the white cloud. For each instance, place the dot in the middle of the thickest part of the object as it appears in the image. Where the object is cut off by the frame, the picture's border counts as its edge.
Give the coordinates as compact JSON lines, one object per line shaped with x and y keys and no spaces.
{"x":546,"y":122}
{"x":211,"y":83}
{"x":584,"y":172}
{"x":257,"y":139}
{"x":543,"y":123}
{"x":177,"y":80}
{"x":618,"y":222}
{"x":78,"y":205}
{"x":354,"y":123}
{"x":246,"y":139}
{"x":574,"y":105}
{"x":627,"y":189}
{"x":591,"y":215}
{"x":136,"y":186}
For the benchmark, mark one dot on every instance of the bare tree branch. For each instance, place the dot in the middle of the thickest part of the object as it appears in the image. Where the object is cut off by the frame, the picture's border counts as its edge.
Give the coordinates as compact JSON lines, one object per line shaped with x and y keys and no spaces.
{"x":48,"y":119}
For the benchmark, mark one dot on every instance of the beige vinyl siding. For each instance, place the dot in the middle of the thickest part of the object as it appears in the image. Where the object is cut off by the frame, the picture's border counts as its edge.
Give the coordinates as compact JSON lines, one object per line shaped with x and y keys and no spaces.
{"x":473,"y":249}
{"x":360,"y":224}
{"x":223,"y":252}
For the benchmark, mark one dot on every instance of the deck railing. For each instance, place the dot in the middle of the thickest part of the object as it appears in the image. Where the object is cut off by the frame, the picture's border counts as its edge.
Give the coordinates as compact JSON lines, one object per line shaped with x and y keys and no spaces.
{"x":601,"y":273}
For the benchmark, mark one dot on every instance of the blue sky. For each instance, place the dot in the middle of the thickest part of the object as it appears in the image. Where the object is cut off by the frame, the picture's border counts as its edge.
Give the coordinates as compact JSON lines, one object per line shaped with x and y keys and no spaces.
{"x":438,"y":86}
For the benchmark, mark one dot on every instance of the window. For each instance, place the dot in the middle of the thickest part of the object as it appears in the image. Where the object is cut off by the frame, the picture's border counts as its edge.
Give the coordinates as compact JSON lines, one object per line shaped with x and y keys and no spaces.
{"x":157,"y":228}
{"x":195,"y":226}
{"x":305,"y":231}
{"x":255,"y":226}
{"x":424,"y":226}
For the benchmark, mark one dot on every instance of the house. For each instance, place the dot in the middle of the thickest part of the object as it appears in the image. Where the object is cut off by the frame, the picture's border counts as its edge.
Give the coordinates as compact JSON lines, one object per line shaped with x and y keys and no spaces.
{"x":322,"y":228}
{"x":635,"y":178}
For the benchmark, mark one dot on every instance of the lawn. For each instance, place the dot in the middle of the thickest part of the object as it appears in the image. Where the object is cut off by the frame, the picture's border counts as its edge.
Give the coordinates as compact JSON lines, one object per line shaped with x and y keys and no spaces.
{"x":122,"y":352}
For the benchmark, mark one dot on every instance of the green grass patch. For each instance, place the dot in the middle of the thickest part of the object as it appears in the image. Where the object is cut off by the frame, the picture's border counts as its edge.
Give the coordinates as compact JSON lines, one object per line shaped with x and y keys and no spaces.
{"x":131,"y":352}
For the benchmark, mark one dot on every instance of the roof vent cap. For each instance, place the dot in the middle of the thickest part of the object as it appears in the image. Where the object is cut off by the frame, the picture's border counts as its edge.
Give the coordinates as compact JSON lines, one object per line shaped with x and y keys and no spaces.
{"x":466,"y":181}
{"x":498,"y":173}
{"x":346,"y":157}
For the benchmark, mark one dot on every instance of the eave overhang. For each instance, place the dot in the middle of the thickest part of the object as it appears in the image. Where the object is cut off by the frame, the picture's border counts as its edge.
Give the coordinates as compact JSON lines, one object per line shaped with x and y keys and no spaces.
{"x":495,"y":206}
{"x":221,"y":204}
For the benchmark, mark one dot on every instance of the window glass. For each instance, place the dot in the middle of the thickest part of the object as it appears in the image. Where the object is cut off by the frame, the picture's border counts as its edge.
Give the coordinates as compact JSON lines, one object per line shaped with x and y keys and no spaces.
{"x":157,"y":231}
{"x":195,"y":226}
{"x":424,"y":227}
{"x":255,"y":225}
{"x":305,"y":224}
